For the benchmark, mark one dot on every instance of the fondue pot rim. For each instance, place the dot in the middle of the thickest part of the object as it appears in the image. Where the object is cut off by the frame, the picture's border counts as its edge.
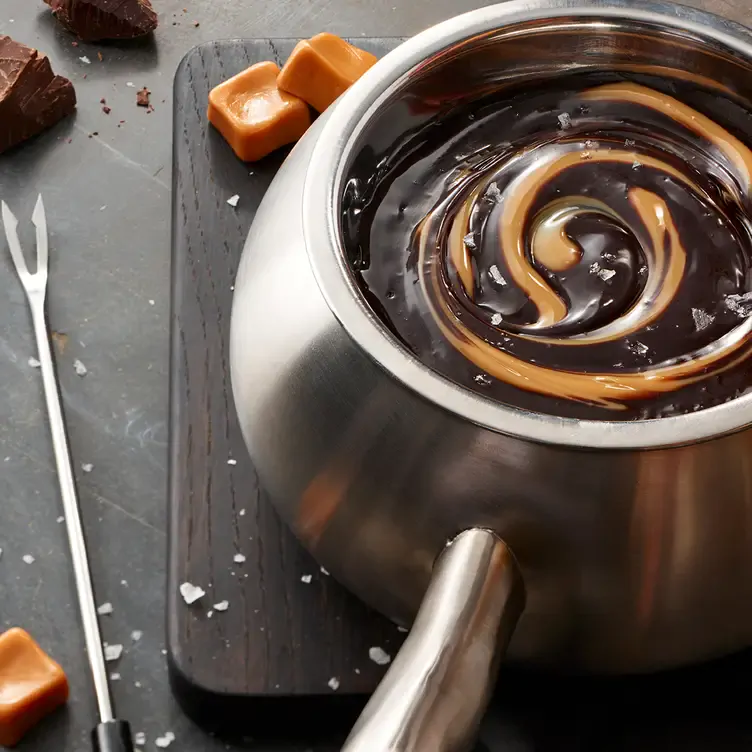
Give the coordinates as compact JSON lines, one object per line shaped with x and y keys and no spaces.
{"x":321,"y":224}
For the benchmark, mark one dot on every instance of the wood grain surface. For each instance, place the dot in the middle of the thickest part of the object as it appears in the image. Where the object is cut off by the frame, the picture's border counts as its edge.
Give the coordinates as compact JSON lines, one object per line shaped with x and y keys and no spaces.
{"x":282,"y":636}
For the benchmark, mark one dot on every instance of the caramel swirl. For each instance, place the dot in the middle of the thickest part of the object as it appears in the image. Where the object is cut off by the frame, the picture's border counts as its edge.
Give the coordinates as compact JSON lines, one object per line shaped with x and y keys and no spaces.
{"x":600,"y":257}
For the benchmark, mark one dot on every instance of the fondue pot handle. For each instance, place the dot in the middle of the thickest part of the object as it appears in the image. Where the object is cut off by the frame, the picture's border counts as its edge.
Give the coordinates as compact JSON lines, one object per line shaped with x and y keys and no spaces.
{"x":434,"y":695}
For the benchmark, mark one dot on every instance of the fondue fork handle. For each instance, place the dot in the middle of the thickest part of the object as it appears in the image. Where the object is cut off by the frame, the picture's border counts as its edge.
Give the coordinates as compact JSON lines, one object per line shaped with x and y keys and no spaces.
{"x":434,"y":695}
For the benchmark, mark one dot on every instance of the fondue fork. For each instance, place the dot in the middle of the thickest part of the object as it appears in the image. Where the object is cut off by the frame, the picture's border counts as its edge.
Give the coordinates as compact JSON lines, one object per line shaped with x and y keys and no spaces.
{"x":110,"y":734}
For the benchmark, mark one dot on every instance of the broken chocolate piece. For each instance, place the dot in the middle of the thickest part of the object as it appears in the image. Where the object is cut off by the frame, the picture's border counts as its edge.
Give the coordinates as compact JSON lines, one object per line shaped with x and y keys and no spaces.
{"x":94,"y":20}
{"x":142,"y":97}
{"x":32,"y":97}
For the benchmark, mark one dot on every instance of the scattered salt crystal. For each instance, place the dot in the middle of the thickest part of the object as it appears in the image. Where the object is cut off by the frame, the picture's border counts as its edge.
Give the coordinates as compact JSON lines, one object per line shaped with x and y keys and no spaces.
{"x":130,"y":84}
{"x":28,"y":559}
{"x":565,"y":121}
{"x":493,"y":193}
{"x":702,"y":319}
{"x":124,"y":583}
{"x":636,"y":165}
{"x":306,"y":578}
{"x":638,"y":348}
{"x":402,"y":629}
{"x":741,"y":305}
{"x":137,"y":684}
{"x":590,"y":144}
{"x":238,"y":558}
{"x":629,"y":142}
{"x":482,"y":379}
{"x":87,"y":467}
{"x":495,"y":274}
{"x":222,"y":606}
{"x":136,"y":635}
{"x":112,"y":652}
{"x":79,"y":367}
{"x":191,"y":593}
{"x":34,"y":363}
{"x":643,"y":269}
{"x":105,"y":609}
{"x":595,"y":267}
{"x":333,"y":683}
{"x":469,"y":240}
{"x":232,"y":462}
{"x":151,"y":302}
{"x":233,"y":200}
{"x":241,"y":513}
{"x":324,"y":571}
{"x":85,"y":60}
{"x":379,"y":656}
{"x":115,"y":677}
{"x":210,"y":613}
{"x":60,"y":520}
{"x":139,"y":737}
{"x":496,"y":319}
{"x":606,"y":274}
{"x":164,"y":741}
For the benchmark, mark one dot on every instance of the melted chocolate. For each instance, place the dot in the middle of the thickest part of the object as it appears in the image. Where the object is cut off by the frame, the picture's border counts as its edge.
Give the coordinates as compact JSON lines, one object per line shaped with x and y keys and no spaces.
{"x":583,"y":250}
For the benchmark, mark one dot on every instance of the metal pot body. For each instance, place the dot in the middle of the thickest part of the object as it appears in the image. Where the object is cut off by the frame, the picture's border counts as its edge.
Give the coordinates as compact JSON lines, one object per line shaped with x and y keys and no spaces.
{"x":634,"y":542}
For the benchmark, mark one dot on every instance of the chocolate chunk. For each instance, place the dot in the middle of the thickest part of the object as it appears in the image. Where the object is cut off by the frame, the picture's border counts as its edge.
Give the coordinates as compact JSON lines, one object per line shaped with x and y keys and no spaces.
{"x":142,"y":97}
{"x":32,"y":97}
{"x":94,"y":20}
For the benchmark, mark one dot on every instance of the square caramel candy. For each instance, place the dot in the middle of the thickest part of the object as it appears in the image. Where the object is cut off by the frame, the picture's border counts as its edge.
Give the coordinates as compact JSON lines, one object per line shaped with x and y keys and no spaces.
{"x":254,"y":116}
{"x":322,"y":68}
{"x":32,"y":685}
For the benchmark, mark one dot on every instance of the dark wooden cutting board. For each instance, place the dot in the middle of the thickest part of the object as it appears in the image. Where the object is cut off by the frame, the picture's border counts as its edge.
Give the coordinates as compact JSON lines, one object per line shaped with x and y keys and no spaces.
{"x":282,"y":639}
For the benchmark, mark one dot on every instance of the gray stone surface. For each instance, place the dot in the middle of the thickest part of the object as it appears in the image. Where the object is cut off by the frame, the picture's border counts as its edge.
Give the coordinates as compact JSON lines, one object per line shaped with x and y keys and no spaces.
{"x":108,"y":205}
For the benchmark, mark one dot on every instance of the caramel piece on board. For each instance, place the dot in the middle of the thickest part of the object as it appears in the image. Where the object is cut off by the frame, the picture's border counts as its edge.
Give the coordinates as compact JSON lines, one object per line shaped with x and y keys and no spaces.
{"x":32,"y":685}
{"x":322,"y":68}
{"x":254,"y":116}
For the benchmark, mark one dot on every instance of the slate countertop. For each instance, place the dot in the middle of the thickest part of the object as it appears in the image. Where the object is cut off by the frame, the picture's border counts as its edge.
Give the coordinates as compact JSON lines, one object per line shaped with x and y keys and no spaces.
{"x":108,"y":206}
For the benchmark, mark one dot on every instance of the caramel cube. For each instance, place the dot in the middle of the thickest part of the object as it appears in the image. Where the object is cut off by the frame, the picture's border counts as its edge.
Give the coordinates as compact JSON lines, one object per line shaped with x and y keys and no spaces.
{"x":254,"y":116}
{"x":32,"y":685}
{"x":322,"y":68}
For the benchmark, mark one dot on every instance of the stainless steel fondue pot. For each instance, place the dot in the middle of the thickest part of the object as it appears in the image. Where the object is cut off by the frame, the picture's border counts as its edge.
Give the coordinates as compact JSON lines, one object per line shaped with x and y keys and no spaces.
{"x":599,"y":546}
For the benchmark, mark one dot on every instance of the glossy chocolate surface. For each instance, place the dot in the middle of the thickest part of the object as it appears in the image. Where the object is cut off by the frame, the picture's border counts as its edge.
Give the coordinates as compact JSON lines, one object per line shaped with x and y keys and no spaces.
{"x":578,"y":248}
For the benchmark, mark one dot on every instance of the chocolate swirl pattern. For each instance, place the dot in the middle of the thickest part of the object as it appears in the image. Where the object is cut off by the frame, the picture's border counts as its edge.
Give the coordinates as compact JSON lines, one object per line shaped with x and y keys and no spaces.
{"x":595,"y":262}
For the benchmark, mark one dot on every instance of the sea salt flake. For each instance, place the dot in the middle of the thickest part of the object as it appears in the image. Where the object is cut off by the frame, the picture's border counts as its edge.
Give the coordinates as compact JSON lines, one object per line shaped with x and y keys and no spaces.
{"x":379,"y":656}
{"x":496,"y":319}
{"x":741,"y":305}
{"x":210,"y":613}
{"x":606,"y":274}
{"x":85,"y":60}
{"x":565,"y":121}
{"x":306,"y":578}
{"x":333,"y":683}
{"x":495,"y":274}
{"x":469,"y":240}
{"x":136,"y":635}
{"x":595,"y":267}
{"x":629,"y":142}
{"x":324,"y":571}
{"x":638,"y":348}
{"x":34,"y":363}
{"x":238,"y":558}
{"x":60,"y":520}
{"x":112,"y":652}
{"x":232,"y":462}
{"x":164,"y":741}
{"x":493,"y":193}
{"x":87,"y":467}
{"x":702,"y":319}
{"x":590,"y":144}
{"x":636,"y":165}
{"x":105,"y":609}
{"x":130,"y":84}
{"x":222,"y":606}
{"x":482,"y":379}
{"x":241,"y":513}
{"x":402,"y":629}
{"x":140,"y":738}
{"x":28,"y":559}
{"x":80,"y":368}
{"x":233,"y":200}
{"x":191,"y":593}
{"x":115,"y":676}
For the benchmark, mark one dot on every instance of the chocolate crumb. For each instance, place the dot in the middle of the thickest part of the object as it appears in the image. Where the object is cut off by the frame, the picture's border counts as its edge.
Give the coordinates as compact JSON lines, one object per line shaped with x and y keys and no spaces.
{"x":142,"y":97}
{"x":99,"y":55}
{"x":107,"y":110}
{"x":102,"y":101}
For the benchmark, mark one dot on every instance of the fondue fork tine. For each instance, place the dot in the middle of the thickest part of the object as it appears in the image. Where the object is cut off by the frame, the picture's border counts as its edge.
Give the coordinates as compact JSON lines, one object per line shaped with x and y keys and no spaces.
{"x":110,"y":735}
